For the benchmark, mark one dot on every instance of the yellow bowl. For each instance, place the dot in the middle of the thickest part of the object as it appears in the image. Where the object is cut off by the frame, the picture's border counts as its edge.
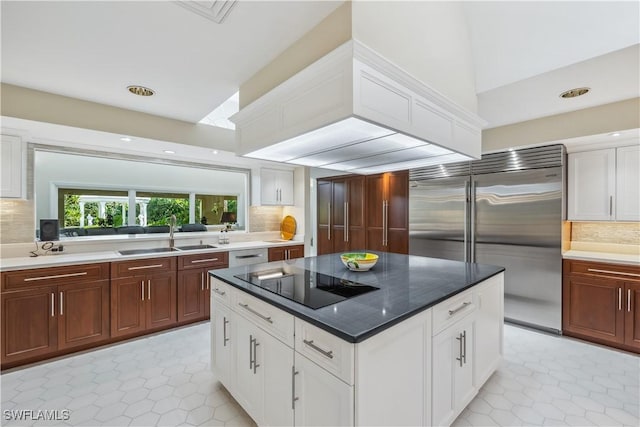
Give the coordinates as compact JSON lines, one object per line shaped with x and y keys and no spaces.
{"x":359,"y":261}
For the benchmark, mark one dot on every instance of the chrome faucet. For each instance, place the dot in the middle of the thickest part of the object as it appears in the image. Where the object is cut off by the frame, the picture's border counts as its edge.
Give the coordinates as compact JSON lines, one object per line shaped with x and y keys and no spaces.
{"x":172,"y":226}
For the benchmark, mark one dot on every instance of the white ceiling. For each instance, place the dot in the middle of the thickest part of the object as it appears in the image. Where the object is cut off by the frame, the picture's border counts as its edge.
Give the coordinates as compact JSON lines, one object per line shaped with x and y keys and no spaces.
{"x":525,"y":53}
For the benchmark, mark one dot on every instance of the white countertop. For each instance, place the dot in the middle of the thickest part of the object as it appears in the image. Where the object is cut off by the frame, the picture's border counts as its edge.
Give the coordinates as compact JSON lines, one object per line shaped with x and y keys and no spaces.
{"x":615,"y":258}
{"x":20,"y":263}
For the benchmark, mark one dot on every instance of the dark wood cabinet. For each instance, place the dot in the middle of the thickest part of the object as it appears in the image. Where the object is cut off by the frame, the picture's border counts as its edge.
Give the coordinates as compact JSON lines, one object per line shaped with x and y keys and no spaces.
{"x":364,"y":212}
{"x":47,"y":311}
{"x":388,"y":212}
{"x":194,"y":293}
{"x":143,"y":295}
{"x":599,"y":303}
{"x":283,"y":253}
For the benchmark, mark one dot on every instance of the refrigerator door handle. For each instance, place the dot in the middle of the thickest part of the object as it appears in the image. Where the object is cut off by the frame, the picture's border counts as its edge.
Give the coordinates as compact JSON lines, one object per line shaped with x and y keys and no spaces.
{"x":467,"y":200}
{"x":472,"y":223}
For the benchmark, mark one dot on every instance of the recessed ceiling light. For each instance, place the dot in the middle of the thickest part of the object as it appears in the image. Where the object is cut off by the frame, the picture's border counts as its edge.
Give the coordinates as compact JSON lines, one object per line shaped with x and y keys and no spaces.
{"x":140,"y":90}
{"x":126,"y":139}
{"x":572,"y":93}
{"x":614,"y":134}
{"x":169,"y":152}
{"x":215,"y":151}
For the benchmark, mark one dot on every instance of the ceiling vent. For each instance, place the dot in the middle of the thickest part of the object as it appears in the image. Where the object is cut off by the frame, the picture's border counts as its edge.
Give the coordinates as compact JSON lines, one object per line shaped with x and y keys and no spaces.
{"x":216,"y":11}
{"x":573,"y":93}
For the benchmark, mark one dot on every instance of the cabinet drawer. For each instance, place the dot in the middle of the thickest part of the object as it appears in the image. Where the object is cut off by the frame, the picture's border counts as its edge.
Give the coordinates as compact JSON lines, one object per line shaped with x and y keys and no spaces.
{"x":330,"y":352}
{"x":205,"y":260}
{"x":273,"y":320}
{"x":142,"y":267}
{"x":617,"y":271}
{"x":54,"y":276}
{"x":448,"y":312}
{"x":221,"y":292}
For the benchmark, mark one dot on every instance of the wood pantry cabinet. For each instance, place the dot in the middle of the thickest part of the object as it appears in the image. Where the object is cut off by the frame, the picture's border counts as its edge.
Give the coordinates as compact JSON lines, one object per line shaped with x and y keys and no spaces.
{"x":283,"y":253}
{"x":47,"y":311}
{"x":194,"y":299}
{"x":601,"y":303}
{"x":143,"y":295}
{"x":364,"y":212}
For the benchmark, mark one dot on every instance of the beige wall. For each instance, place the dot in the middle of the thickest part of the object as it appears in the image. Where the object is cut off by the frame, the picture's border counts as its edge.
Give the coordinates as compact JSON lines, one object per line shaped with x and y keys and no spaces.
{"x":589,"y":121}
{"x":330,"y":33}
{"x":40,"y":106}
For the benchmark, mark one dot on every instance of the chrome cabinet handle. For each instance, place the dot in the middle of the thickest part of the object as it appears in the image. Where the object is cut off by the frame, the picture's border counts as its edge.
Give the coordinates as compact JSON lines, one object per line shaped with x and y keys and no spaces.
{"x":464,"y":347}
{"x":619,"y":299}
{"x":345,"y":237}
{"x":144,"y":267}
{"x":224,"y":331}
{"x":248,"y":256}
{"x":459,"y":339}
{"x":255,"y":354}
{"x":197,"y":261}
{"x":149,"y":289}
{"x":202,"y":281}
{"x":328,"y":221}
{"x":326,"y":353}
{"x":142,"y":288}
{"x":466,"y":220}
{"x":454,"y":311}
{"x":53,"y":308}
{"x":251,"y":310}
{"x":56,"y":276}
{"x":250,"y":352}
{"x":293,"y":387}
{"x":219,"y":292}
{"x":384,"y":221}
{"x":628,"y":300}
{"x":597,"y":270}
{"x":61,"y":304}
{"x":610,"y":205}
{"x":472,"y":222}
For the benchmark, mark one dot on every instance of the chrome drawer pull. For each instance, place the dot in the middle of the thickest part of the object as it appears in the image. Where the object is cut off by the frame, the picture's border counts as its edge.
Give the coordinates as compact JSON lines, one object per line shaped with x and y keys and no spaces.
{"x":219,"y":292}
{"x":464,"y":304}
{"x":53,"y":310}
{"x":329,"y":354}
{"x":262,"y":316}
{"x":61,"y":304}
{"x":595,"y":270}
{"x":57,"y":276}
{"x":142,"y":267}
{"x":196,"y":261}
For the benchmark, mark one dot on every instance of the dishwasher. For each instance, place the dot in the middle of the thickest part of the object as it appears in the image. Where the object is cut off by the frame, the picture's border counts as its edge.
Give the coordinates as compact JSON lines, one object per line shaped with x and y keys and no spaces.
{"x":248,"y":256}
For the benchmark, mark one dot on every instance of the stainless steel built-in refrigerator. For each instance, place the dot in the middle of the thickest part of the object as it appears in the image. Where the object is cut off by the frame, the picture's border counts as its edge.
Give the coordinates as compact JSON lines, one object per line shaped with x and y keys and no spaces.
{"x":505,"y":209}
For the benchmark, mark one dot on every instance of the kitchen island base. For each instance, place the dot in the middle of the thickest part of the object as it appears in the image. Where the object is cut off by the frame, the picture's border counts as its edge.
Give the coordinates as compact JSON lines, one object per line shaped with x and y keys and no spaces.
{"x":423,"y":370}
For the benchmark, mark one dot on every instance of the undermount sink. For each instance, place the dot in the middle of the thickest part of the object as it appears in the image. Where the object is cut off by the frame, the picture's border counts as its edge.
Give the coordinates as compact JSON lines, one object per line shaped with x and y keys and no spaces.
{"x":194,"y":247}
{"x":146,"y":251}
{"x":160,"y":250}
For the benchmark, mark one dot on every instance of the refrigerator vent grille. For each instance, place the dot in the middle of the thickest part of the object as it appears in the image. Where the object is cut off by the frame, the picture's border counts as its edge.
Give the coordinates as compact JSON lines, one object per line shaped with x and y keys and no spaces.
{"x":505,"y":161}
{"x":528,"y":158}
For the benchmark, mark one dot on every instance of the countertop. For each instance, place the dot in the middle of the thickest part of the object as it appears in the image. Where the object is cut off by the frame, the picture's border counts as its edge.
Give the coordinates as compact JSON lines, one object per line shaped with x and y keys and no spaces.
{"x":610,"y":257}
{"x":408,"y":285}
{"x":26,"y":262}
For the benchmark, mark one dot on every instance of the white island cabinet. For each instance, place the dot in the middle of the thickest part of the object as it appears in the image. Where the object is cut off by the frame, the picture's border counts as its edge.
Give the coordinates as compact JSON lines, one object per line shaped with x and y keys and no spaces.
{"x":422,"y":370}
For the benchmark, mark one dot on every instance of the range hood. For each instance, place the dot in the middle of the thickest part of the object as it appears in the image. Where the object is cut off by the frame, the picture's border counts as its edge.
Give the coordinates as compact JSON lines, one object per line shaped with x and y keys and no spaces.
{"x":356,"y":112}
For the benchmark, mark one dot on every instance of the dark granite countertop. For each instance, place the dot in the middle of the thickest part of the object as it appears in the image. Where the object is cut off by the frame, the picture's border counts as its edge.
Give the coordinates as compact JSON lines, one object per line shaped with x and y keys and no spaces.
{"x":408,"y":285}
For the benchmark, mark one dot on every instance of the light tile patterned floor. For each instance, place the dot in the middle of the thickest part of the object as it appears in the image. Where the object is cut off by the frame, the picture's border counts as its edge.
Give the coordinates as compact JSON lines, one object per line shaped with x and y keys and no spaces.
{"x":165,"y":380}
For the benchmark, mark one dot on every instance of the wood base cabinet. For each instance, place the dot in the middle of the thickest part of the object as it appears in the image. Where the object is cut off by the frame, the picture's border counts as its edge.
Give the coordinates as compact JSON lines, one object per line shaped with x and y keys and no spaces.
{"x":283,"y":253}
{"x":601,"y":303}
{"x":194,"y":294}
{"x":143,"y":295}
{"x":48,"y":311}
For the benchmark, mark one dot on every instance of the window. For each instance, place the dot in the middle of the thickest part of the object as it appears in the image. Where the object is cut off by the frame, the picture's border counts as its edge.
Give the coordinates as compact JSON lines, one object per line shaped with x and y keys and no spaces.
{"x":92,"y":208}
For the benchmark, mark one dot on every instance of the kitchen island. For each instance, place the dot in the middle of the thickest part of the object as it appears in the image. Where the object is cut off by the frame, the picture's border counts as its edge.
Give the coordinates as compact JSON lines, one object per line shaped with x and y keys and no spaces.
{"x":411,"y":350}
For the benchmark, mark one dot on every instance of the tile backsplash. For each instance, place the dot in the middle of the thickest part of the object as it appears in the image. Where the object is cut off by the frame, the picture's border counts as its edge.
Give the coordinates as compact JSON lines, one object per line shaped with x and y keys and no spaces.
{"x":264,"y":218}
{"x":625,"y":233}
{"x":16,"y":221}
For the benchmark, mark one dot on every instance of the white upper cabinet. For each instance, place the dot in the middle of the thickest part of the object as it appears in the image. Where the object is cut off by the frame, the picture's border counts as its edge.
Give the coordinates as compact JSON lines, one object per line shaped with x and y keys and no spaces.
{"x":12,"y":167}
{"x":276,"y":187}
{"x":628,"y":183}
{"x":592,"y":185}
{"x":604,"y":185}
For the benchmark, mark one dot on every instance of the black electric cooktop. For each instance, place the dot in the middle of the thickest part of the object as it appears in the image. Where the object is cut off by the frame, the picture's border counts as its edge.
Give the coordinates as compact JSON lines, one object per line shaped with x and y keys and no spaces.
{"x":312,"y":289}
